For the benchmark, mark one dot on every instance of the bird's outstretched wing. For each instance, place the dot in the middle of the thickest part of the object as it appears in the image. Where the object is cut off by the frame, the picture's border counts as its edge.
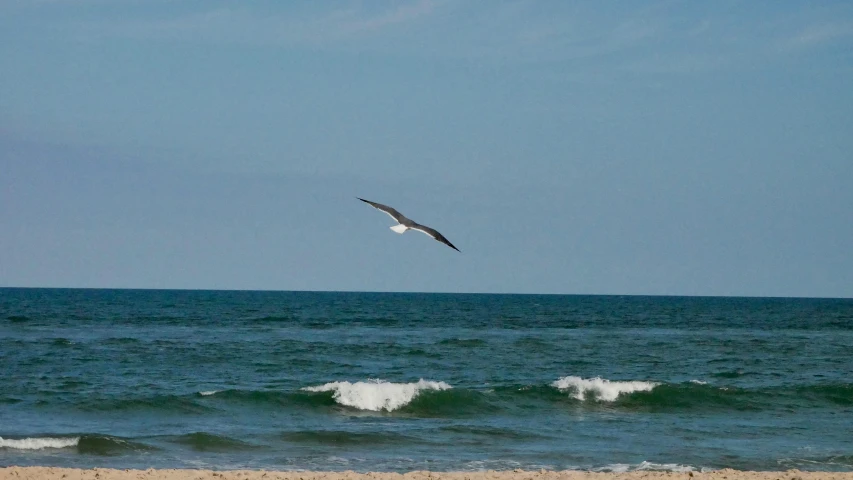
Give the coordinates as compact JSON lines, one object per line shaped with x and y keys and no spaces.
{"x":434,"y":234}
{"x":399,"y":217}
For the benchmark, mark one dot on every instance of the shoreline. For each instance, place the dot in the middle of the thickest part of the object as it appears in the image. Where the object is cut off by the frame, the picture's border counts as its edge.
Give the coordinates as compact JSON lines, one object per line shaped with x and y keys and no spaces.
{"x":51,"y":473}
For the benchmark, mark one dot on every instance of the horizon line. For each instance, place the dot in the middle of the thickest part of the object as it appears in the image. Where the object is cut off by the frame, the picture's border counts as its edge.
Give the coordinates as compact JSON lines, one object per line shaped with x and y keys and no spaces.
{"x":778,"y":297}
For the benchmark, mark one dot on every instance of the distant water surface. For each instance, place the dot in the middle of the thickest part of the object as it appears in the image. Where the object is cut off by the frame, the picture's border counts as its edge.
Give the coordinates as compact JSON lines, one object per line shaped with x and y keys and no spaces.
{"x":400,"y":382}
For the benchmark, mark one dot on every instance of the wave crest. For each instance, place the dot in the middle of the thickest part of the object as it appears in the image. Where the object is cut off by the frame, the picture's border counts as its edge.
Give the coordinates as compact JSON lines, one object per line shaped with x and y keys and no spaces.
{"x":600,"y":388}
{"x":377,"y":395}
{"x":39,"y":443}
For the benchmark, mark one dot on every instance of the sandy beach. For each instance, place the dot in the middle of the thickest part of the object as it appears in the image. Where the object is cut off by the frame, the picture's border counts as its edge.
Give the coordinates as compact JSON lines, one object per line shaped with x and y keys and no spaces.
{"x":50,"y":473}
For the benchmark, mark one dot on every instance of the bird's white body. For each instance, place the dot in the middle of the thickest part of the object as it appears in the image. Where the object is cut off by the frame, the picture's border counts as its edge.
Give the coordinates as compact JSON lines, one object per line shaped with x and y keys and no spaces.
{"x":399,"y":228}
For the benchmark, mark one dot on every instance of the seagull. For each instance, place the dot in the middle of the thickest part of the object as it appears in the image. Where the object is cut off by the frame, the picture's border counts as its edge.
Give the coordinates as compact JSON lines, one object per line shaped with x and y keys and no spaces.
{"x":404,"y":223}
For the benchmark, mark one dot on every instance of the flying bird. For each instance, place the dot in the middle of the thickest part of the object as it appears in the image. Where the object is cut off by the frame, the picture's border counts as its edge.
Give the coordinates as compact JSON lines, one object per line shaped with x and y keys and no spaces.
{"x":404,"y":223}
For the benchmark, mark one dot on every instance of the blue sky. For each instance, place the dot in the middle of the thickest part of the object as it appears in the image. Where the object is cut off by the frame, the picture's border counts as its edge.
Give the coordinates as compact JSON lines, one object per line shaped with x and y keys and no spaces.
{"x":686,"y":148}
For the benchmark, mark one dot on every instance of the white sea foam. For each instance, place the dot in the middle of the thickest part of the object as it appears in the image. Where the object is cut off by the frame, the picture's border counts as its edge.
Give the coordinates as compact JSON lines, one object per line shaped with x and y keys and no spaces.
{"x":661,"y":467}
{"x":39,"y":443}
{"x":208,"y":393}
{"x":377,"y":395}
{"x":600,"y":388}
{"x":698,"y":382}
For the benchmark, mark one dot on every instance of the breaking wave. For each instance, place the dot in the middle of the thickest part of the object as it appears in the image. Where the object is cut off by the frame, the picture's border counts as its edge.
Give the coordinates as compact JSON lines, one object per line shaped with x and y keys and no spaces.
{"x":377,"y":395}
{"x":39,"y":443}
{"x":599,"y":388}
{"x":92,"y":444}
{"x":438,"y":399}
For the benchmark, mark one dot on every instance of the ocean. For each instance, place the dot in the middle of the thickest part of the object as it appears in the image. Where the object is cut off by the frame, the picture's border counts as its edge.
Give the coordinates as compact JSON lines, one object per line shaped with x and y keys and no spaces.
{"x":406,"y":381}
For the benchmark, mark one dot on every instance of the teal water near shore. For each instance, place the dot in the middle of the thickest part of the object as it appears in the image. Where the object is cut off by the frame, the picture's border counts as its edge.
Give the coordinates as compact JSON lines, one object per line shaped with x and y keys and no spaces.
{"x":399,"y":382}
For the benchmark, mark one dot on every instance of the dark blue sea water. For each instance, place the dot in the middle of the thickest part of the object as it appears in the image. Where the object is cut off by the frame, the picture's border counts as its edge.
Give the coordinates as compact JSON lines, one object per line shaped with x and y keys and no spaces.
{"x":384,"y":381}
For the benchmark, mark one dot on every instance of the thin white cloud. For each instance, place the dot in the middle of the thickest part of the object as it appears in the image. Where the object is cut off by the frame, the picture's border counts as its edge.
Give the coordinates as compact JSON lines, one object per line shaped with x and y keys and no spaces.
{"x":815,"y":35}
{"x":244,"y":25}
{"x":402,"y":14}
{"x":678,"y":63}
{"x":661,"y":37}
{"x":514,"y":29}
